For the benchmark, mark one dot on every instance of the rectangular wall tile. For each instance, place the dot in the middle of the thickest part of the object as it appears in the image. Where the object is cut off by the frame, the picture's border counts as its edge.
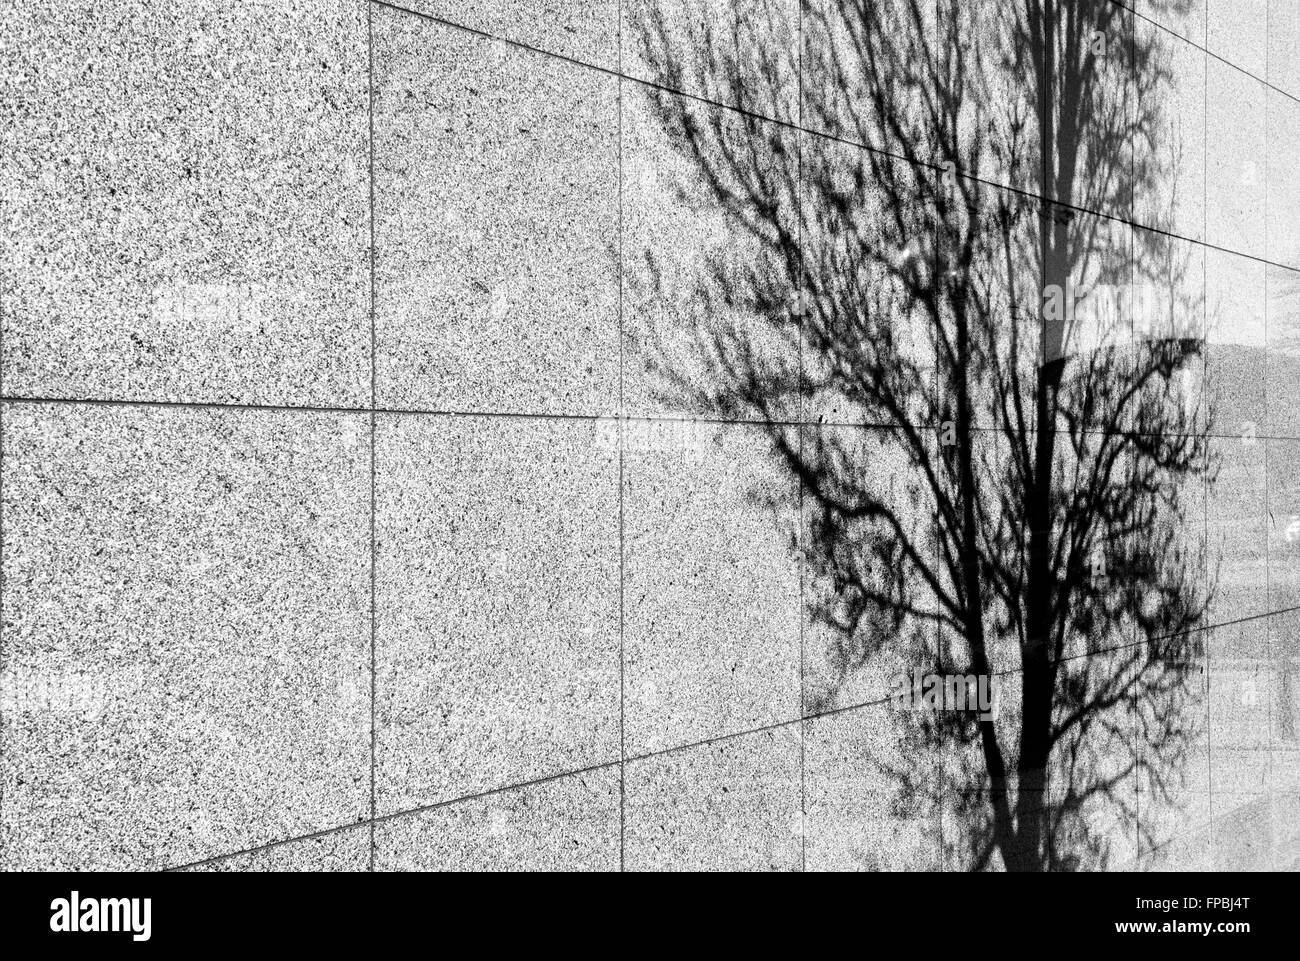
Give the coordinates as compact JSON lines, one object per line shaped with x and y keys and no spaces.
{"x":1243,"y":831}
{"x":865,"y":68}
{"x":1184,"y":17}
{"x":854,"y":652}
{"x":867,"y":220}
{"x":996,"y":136}
{"x":338,"y":851}
{"x":708,"y":282}
{"x":186,"y":618}
{"x":496,"y":205}
{"x":1237,"y":532}
{"x":1170,"y":156}
{"x":568,"y":824}
{"x":497,"y":652}
{"x":1237,"y":332}
{"x":1237,"y":31}
{"x":584,"y":30}
{"x":862,"y":813}
{"x":1283,"y":679}
{"x":1284,"y":46}
{"x":736,"y":53}
{"x":1283,"y":467}
{"x":733,"y":805}
{"x":1282,"y":309}
{"x":711,"y":589}
{"x":1173,"y":793}
{"x":187,"y":202}
{"x":1283,"y":199}
{"x":1239,"y":703}
{"x":1236,"y":166}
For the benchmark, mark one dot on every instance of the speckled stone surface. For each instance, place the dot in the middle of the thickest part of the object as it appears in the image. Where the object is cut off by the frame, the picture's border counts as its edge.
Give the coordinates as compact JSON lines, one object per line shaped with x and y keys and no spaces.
{"x":1236,"y":163}
{"x":1185,"y":830}
{"x":595,"y":642}
{"x":498,"y":611}
{"x":1284,"y":46}
{"x":584,"y":30}
{"x":1176,"y":819}
{"x":496,"y":205}
{"x":1237,"y":31}
{"x":740,"y":53}
{"x":1237,"y":518}
{"x":1243,"y":830}
{"x":706,"y":289}
{"x":1009,"y":144}
{"x":187,"y":213}
{"x":336,"y":852}
{"x":840,"y":74}
{"x":1282,"y":292}
{"x":711,"y":591}
{"x":860,"y":816}
{"x":1184,"y":17}
{"x":848,"y":663}
{"x":186,"y":657}
{"x":1237,"y":333}
{"x":568,"y":824}
{"x":1282,"y":463}
{"x":852,"y":293}
{"x":1284,"y":715}
{"x":1180,"y":826}
{"x":1239,"y":703}
{"x":1169,"y":294}
{"x":1283,"y":193}
{"x":728,"y":806}
{"x":1171,"y":196}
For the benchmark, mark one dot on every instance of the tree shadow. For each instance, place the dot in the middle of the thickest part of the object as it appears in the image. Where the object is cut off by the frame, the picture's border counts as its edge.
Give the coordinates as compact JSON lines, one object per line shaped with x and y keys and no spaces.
{"x":987,"y":383}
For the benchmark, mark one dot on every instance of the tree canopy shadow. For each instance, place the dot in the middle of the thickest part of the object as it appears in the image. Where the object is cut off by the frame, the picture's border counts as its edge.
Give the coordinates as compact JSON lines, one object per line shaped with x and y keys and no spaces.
{"x":986,"y":381}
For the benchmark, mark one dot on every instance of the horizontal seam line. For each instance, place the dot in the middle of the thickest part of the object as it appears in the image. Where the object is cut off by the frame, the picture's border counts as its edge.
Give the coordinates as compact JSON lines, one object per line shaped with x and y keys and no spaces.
{"x":523,"y":415}
{"x":935,"y":167}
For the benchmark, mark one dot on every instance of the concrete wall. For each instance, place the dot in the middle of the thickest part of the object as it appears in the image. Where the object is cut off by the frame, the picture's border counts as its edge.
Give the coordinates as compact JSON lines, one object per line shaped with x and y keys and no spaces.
{"x":325,"y":545}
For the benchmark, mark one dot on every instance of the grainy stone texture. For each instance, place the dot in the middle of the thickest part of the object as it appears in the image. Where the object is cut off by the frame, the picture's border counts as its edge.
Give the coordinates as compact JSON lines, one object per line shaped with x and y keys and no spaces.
{"x":1237,"y":31}
{"x":1283,"y":46}
{"x":848,"y":57}
{"x":497,"y":657}
{"x":1239,"y":704}
{"x":338,"y":851}
{"x":496,"y":199}
{"x":861,"y":816}
{"x":1183,"y":17}
{"x":1284,"y":685}
{"x":741,"y":53}
{"x":1237,"y":331}
{"x":1236,"y":164}
{"x":1243,"y":831}
{"x":847,"y":198}
{"x":588,"y":599}
{"x":1283,"y":198}
{"x":1282,"y":463}
{"x":186,"y":657}
{"x":186,"y":193}
{"x":584,"y":30}
{"x":568,"y":824}
{"x":851,"y":659}
{"x":1172,"y":197}
{"x":986,"y":144}
{"x":729,"y":806}
{"x":1237,"y":535}
{"x":704,"y":284}
{"x":710,"y":590}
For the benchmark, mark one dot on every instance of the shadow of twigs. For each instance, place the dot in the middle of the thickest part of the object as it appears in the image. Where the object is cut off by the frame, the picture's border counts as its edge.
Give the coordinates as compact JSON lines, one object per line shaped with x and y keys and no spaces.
{"x":1022,"y":510}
